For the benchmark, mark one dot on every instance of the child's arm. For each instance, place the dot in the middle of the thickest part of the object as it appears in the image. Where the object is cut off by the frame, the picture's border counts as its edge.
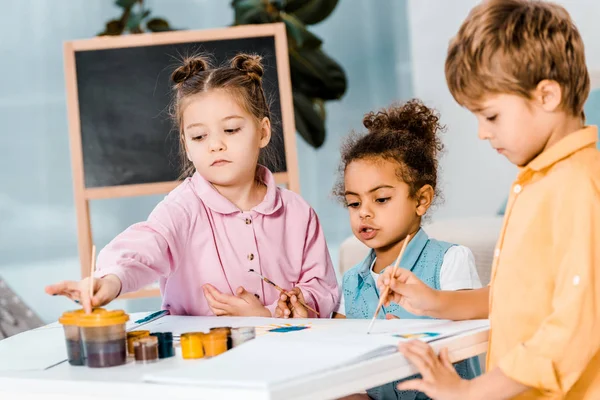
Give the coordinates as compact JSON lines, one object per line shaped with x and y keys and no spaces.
{"x":418,"y":298}
{"x":317,"y":277}
{"x":135,"y":258}
{"x":554,"y":358}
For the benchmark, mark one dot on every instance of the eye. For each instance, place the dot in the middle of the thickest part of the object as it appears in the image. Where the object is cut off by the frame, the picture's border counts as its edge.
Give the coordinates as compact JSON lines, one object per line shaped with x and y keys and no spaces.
{"x":492,"y":118}
{"x":197,"y":138}
{"x":231,"y":131}
{"x":383,"y":200}
{"x":353,"y":205}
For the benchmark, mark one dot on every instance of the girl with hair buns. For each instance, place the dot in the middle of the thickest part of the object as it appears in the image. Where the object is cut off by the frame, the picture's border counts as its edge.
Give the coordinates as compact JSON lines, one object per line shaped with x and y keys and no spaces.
{"x":228,"y":216}
{"x":388,"y":181}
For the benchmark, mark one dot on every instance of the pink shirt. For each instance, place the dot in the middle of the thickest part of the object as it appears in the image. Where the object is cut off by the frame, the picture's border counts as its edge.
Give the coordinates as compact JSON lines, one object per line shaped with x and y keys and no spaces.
{"x":196,"y":236}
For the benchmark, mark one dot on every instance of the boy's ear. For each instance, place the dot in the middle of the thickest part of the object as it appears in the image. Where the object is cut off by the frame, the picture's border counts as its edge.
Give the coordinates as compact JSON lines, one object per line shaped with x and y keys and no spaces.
{"x":265,"y":132}
{"x":424,"y":199}
{"x":548,"y":94}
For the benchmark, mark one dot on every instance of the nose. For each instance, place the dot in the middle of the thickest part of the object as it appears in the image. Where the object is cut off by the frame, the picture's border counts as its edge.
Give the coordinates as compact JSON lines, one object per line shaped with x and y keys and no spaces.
{"x":365,"y":211}
{"x":216,"y":144}
{"x":483,"y":133}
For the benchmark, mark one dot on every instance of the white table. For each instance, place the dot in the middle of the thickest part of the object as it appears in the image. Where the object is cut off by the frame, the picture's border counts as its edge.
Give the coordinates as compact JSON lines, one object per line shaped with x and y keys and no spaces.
{"x":125,"y":382}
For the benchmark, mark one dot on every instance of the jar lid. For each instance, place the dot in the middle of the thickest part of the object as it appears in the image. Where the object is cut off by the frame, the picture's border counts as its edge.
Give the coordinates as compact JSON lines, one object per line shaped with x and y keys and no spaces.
{"x":102,"y":318}
{"x":71,"y":317}
{"x":147,"y":341}
{"x":193,"y":335}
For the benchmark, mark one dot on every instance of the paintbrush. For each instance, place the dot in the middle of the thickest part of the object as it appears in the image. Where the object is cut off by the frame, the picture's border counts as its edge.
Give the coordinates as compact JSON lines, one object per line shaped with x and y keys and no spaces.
{"x":92,"y":270}
{"x":387,"y":288}
{"x":270,"y":282}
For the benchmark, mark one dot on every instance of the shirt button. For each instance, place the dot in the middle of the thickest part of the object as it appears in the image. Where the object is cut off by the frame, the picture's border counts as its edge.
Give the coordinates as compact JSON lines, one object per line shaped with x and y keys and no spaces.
{"x":497,"y":253}
{"x":248,"y":221}
{"x":250,"y":256}
{"x":517,"y":189}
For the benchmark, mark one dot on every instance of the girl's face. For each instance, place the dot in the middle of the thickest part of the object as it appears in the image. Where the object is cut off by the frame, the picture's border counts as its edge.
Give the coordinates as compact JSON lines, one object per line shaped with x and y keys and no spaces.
{"x":381,"y":210}
{"x":222,"y":139}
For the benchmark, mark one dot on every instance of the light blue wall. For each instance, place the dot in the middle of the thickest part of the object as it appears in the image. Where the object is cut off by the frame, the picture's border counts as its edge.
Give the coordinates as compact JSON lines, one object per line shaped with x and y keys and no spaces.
{"x":37,"y":218}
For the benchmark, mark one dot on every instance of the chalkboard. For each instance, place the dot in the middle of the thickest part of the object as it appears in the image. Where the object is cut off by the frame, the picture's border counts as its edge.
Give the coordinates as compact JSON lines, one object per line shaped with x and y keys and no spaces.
{"x":127,"y":136}
{"x":123,"y":141}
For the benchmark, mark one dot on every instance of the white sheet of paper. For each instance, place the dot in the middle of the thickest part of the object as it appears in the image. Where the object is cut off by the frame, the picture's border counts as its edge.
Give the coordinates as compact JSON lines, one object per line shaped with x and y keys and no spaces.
{"x":259,"y":363}
{"x":50,"y":349}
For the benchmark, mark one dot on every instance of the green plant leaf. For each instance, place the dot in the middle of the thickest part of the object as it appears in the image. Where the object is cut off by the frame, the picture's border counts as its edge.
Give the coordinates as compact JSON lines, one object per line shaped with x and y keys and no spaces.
{"x":135,"y":19}
{"x":253,"y":12}
{"x":158,"y":25}
{"x":298,"y":33}
{"x":113,"y":28}
{"x":309,"y":123}
{"x":125,"y":3}
{"x":316,"y":75}
{"x":310,"y":11}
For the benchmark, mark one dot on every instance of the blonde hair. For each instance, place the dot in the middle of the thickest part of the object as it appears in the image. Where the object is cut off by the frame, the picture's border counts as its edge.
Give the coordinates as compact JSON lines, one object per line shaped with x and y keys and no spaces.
{"x":509,"y":46}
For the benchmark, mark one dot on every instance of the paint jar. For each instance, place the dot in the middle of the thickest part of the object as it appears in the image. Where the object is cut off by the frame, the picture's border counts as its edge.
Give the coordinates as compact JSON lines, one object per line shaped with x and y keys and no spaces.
{"x":165,"y":344}
{"x":227,"y":331}
{"x":132,"y":337}
{"x":73,"y":341}
{"x":145,"y":349}
{"x":242,"y":335}
{"x":215,"y":343}
{"x":104,"y":338}
{"x":192,"y":345}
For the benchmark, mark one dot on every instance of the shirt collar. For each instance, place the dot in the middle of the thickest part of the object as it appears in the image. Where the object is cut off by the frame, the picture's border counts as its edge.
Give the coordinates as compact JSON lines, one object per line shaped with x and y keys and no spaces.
{"x":409,"y":258}
{"x":216,"y":202}
{"x":572,"y":143}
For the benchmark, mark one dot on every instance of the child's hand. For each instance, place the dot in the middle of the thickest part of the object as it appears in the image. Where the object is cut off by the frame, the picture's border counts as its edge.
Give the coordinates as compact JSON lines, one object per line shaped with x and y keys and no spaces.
{"x":289,"y":306}
{"x":409,"y":292}
{"x":440,"y":380}
{"x":245,"y":304}
{"x":106,"y":289}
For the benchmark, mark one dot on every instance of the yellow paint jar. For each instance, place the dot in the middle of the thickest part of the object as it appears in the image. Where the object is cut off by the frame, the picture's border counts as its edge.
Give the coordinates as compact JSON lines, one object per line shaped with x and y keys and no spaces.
{"x":192,"y":345}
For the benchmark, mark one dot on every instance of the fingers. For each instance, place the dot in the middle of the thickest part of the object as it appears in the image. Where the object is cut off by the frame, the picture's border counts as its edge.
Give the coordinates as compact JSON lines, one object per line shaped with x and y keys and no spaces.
{"x":299,"y":310}
{"x":84,"y":293}
{"x":298,"y":292}
{"x":218,"y":307}
{"x":104,"y":293}
{"x":64,"y":288}
{"x":222,"y":298}
{"x":391,"y":316}
{"x":282,"y":306}
{"x":445,"y":359}
{"x":421,"y":355}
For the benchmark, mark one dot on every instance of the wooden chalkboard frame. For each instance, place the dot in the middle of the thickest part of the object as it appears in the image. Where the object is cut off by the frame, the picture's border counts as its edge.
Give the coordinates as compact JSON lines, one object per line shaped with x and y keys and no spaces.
{"x":83,"y":195}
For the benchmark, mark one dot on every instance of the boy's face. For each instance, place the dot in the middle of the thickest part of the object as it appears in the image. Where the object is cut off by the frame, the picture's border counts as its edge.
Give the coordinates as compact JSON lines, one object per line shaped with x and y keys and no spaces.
{"x":516,"y":127}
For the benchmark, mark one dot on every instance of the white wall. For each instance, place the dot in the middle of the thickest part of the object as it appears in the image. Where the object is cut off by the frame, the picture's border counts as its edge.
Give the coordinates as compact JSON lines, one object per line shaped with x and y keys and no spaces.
{"x":475,"y":178}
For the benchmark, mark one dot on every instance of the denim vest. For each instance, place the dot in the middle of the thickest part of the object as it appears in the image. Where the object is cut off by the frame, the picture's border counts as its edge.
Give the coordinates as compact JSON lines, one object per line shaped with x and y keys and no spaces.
{"x":423,"y":257}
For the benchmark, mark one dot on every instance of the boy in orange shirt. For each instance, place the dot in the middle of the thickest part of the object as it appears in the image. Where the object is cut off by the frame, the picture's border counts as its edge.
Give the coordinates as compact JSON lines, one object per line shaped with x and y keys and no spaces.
{"x":519,"y":66}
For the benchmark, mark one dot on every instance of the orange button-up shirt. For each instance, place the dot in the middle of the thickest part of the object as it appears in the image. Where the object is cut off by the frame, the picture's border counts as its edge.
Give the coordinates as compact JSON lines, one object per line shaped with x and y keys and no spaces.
{"x":545,"y":286}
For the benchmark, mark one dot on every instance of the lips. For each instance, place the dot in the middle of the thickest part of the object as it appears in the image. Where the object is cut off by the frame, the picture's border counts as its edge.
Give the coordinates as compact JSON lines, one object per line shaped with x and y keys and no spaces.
{"x":367,"y":232}
{"x":219,"y":163}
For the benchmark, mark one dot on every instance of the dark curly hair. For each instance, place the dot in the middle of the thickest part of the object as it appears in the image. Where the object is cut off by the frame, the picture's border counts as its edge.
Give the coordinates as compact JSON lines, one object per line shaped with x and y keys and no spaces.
{"x":406,"y":134}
